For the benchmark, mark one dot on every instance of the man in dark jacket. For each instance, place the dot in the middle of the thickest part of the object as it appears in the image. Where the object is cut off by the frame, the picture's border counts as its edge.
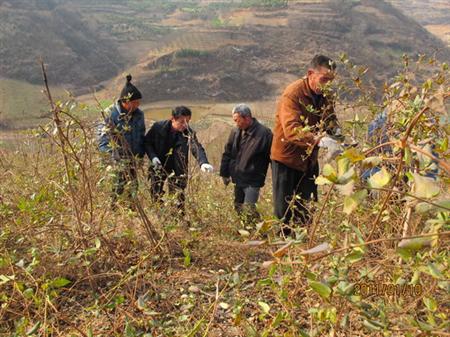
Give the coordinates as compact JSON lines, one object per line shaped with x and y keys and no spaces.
{"x":304,"y":112}
{"x":167,"y":145}
{"x":245,"y":161}
{"x":122,"y":137}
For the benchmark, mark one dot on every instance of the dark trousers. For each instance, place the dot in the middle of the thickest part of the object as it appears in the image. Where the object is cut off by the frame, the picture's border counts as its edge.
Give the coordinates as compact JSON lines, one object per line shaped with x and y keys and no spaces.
{"x":245,"y":198}
{"x":124,"y":174}
{"x":176,"y":184}
{"x":291,"y":188}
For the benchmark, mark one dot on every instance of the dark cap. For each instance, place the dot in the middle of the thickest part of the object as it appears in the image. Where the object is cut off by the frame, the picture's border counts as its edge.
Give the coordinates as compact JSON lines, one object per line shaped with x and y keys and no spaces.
{"x":129,"y":91}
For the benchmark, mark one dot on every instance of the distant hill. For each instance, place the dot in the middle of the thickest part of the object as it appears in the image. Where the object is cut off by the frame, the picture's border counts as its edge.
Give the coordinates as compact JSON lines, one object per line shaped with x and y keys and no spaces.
{"x":238,"y":53}
{"x":201,"y":50}
{"x":75,"y":53}
{"x":434,"y":15}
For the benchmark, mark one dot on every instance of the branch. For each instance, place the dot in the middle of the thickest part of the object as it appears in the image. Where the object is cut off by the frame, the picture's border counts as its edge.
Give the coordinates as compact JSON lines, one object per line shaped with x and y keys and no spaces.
{"x":367,"y":243}
{"x":445,"y":165}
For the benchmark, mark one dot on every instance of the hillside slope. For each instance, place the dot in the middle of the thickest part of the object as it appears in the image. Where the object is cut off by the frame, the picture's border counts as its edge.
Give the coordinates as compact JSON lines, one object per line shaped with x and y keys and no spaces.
{"x":255,"y":52}
{"x":76,"y":55}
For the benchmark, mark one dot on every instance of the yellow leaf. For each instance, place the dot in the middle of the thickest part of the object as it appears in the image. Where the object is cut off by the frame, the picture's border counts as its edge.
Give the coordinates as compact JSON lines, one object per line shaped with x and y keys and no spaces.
{"x":424,"y":187}
{"x":380,"y":179}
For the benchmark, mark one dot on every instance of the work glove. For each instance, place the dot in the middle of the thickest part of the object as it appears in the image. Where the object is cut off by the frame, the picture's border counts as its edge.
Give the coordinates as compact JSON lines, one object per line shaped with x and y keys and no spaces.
{"x":332,"y":146}
{"x":206,"y":168}
{"x":328,"y":142}
{"x":226,"y":180}
{"x":156,"y":163}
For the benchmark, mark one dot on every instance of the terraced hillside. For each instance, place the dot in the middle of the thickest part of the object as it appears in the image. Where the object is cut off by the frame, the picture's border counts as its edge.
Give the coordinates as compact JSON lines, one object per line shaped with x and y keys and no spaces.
{"x":253,"y":52}
{"x":434,"y":15}
{"x":201,"y":50}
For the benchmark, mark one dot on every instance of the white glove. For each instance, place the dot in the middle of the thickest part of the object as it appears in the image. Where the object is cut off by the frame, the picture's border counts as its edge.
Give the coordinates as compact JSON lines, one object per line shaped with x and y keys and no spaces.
{"x":333,"y":148}
{"x":206,"y":168}
{"x":328,"y":143}
{"x":156,"y":162}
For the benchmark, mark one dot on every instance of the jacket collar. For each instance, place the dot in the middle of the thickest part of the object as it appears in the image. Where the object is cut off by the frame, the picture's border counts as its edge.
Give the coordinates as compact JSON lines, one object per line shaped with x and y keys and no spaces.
{"x":121,"y":110}
{"x":251,"y":129}
{"x":309,"y":92}
{"x":167,"y":127}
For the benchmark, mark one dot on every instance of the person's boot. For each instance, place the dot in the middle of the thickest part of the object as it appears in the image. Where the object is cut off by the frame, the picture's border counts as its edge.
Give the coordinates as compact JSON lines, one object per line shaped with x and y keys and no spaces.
{"x":238,"y":208}
{"x":250,"y":214}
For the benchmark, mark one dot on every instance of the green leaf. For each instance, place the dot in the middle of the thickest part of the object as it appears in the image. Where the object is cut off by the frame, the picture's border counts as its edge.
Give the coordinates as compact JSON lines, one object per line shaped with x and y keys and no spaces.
{"x":430,"y":303}
{"x":434,"y":271}
{"x":5,"y":279}
{"x":97,"y":243}
{"x":356,"y":255}
{"x":320,"y":180}
{"x":427,"y":84}
{"x":33,"y":329}
{"x":424,"y":187}
{"x":358,"y":235}
{"x":353,"y":154}
{"x":140,"y":303}
{"x":59,"y":282}
{"x":405,"y":254}
{"x":353,"y":201}
{"x":408,"y":156}
{"x":28,"y":293}
{"x":416,"y":243}
{"x":329,"y":172}
{"x":371,"y":326}
{"x":424,"y":326}
{"x":303,"y":333}
{"x":371,"y":162}
{"x":278,"y":319}
{"x":264,"y":307}
{"x":344,"y":288}
{"x":321,"y":288}
{"x":347,"y":176}
{"x":443,"y":146}
{"x":344,"y":321}
{"x":380,"y":179}
{"x":130,"y":331}
{"x":440,"y":205}
{"x":343,"y":165}
{"x":187,"y":257}
{"x":311,"y":276}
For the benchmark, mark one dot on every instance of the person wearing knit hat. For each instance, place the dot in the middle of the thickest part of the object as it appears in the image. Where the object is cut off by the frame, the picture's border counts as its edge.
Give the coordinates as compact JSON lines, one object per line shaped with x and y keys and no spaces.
{"x":129,"y":91}
{"x":122,"y":136}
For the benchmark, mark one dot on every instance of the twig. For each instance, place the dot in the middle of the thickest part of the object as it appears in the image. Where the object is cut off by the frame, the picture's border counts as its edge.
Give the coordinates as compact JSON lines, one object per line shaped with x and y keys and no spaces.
{"x":216,"y":302}
{"x":445,"y":165}
{"x":447,"y":233}
{"x":342,"y":249}
{"x":403,"y":144}
{"x":317,"y":219}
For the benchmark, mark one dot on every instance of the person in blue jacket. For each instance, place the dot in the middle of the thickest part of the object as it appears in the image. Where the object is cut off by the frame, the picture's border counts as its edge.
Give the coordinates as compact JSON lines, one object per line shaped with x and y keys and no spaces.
{"x":122,"y":137}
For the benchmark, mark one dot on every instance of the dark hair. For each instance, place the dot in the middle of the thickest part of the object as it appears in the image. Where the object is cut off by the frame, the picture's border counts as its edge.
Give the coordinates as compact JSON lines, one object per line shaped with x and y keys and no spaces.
{"x":181,"y":111}
{"x":322,"y":61}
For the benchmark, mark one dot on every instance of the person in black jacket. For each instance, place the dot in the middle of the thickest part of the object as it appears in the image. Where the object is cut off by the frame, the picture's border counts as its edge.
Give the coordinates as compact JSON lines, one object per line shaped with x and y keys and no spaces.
{"x":167,"y":145}
{"x":245,"y":161}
